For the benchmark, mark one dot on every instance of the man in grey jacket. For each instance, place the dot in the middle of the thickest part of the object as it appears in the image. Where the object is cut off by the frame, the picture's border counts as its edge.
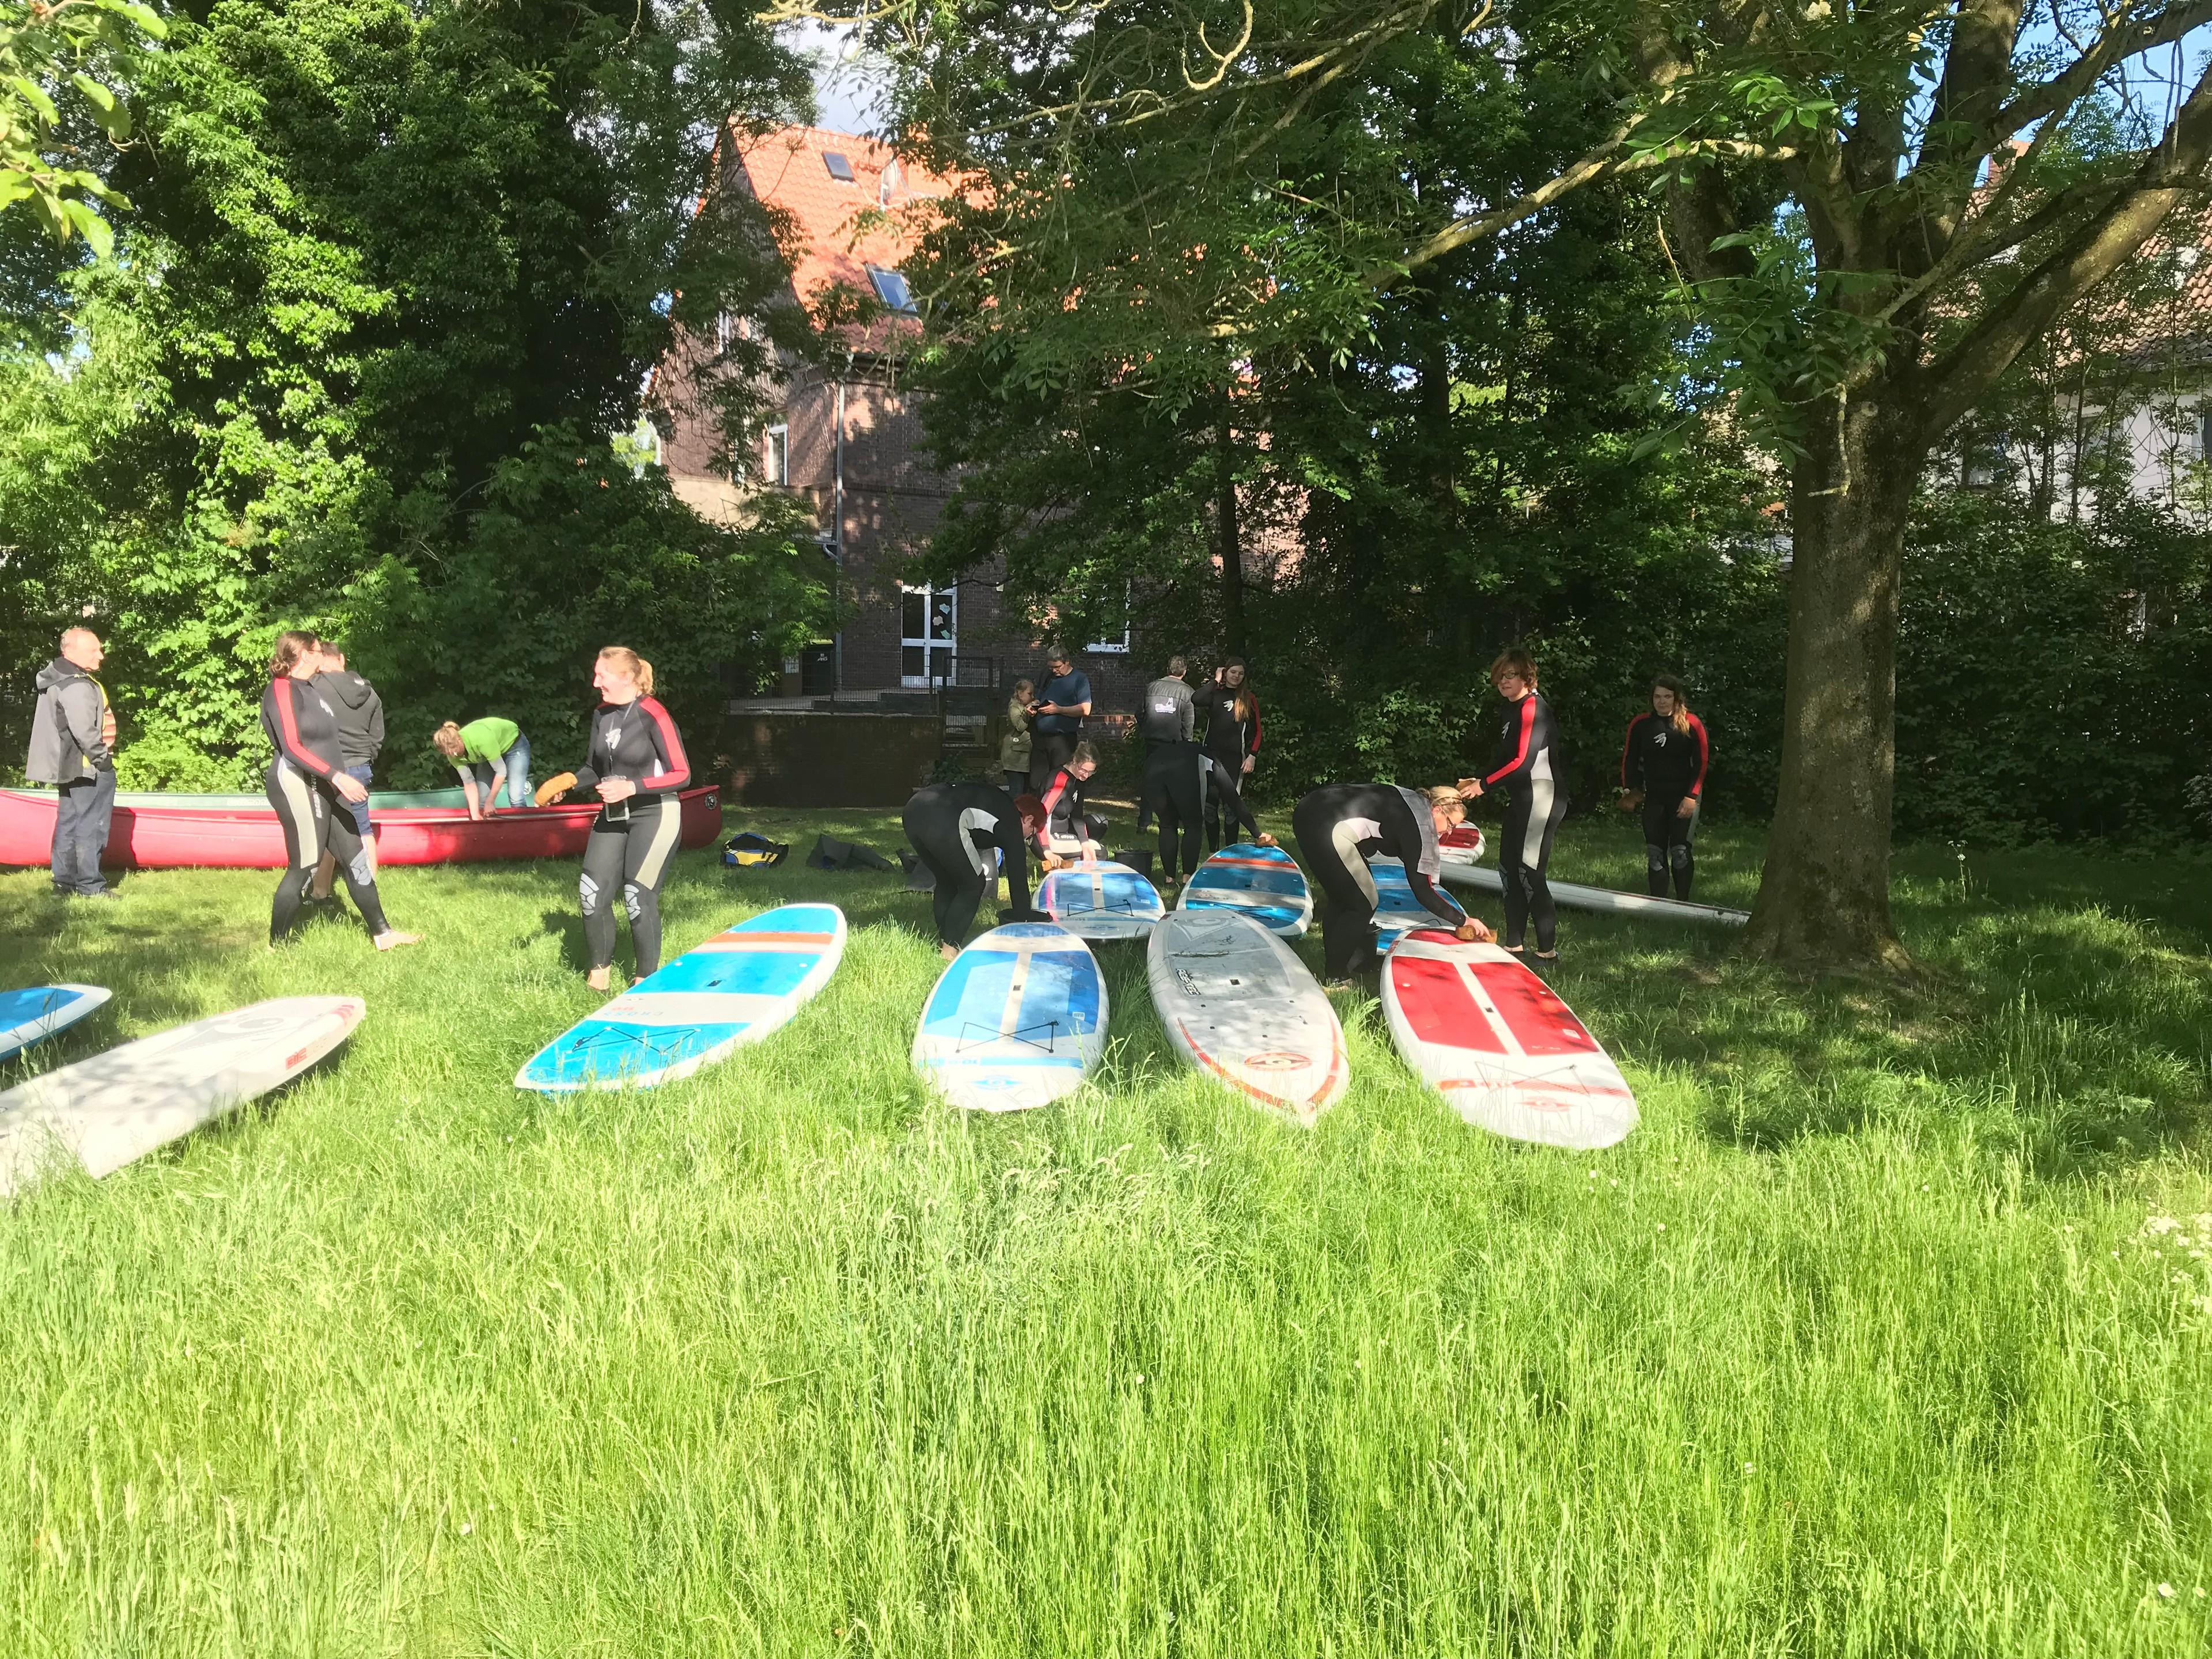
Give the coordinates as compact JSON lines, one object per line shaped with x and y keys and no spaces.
{"x":73,"y":748}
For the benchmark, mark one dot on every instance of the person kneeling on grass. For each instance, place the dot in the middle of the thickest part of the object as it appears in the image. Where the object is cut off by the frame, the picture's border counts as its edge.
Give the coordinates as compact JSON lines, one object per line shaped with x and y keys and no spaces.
{"x":1068,"y":832}
{"x":955,"y":828}
{"x":1340,"y":826}
{"x":488,"y":754}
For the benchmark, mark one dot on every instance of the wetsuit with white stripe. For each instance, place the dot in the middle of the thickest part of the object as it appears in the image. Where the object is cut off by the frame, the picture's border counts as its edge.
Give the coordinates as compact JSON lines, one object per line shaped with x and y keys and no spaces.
{"x":1066,"y":825}
{"x":1174,"y":774}
{"x":1526,"y":768}
{"x":1668,"y":763}
{"x":1339,"y":828}
{"x":633,"y":839}
{"x":957,"y":828}
{"x":303,"y":728}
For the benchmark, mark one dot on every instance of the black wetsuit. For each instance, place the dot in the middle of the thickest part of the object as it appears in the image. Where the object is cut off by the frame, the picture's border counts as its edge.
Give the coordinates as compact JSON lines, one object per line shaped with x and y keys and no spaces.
{"x":1173,"y":784}
{"x":1222,"y":794}
{"x":1669,"y":766}
{"x":304,"y":729}
{"x":1229,"y":743}
{"x":955,"y":828}
{"x":1339,"y":828}
{"x":1065,"y":822}
{"x":633,"y":839}
{"x":1526,"y":768}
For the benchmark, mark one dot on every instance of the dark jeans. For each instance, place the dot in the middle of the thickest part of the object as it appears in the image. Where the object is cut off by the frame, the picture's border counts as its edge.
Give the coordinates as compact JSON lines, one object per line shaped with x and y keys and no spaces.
{"x":80,"y":832}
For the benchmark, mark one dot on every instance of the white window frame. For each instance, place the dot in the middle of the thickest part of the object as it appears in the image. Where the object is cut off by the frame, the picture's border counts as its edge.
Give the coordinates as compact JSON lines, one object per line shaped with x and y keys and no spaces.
{"x":876,"y":273}
{"x":1116,"y":647}
{"x":948,"y":647}
{"x":776,"y":454}
{"x":722,"y":331}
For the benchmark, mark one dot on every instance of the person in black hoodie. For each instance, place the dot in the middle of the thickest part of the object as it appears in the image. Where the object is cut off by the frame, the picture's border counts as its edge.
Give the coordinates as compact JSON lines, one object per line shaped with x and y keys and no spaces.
{"x":361,"y":737}
{"x":955,"y":829}
{"x":73,"y":748}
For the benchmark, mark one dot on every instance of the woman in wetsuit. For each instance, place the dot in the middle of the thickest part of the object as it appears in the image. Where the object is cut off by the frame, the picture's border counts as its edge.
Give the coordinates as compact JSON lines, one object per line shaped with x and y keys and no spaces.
{"x":1662,"y":770}
{"x":1526,"y":768}
{"x":1067,"y":831}
{"x":307,"y":784}
{"x":635,"y":764}
{"x":955,"y":829}
{"x":1232,"y":743}
{"x":1339,"y":827}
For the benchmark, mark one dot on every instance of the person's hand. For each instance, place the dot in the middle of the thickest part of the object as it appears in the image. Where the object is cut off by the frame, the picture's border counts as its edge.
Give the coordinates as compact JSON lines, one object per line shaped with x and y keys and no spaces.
{"x":351,"y":787}
{"x":1688,"y":808}
{"x":615,"y":789}
{"x":1247,"y":762}
{"x":1470,"y":788}
{"x":1472,"y":932}
{"x":1631,"y":799}
{"x":1265,"y":840}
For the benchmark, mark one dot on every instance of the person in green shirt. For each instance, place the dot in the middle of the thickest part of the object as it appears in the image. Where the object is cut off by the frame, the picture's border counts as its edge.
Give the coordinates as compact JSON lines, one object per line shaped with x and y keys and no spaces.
{"x":487,"y":754}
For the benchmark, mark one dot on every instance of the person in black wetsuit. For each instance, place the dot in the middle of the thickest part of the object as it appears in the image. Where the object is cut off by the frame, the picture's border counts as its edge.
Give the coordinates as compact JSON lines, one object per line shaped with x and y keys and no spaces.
{"x":955,"y":829}
{"x":1232,"y":742}
{"x":1068,"y":831}
{"x":635,"y":765}
{"x":1222,"y":793}
{"x":1526,"y":766}
{"x":1662,"y":770}
{"x":1340,"y":826}
{"x":1177,"y":776}
{"x":306,"y":783}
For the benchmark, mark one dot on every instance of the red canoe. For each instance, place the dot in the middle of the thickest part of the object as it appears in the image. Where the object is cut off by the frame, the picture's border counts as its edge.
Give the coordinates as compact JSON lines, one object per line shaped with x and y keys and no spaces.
{"x":160,"y":838}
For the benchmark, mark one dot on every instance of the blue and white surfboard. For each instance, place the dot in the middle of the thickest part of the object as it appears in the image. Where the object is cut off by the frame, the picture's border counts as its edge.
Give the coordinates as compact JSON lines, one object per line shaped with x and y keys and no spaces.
{"x":1263,"y":883}
{"x":1016,"y":1020}
{"x":1397,"y":912}
{"x":738,"y":987}
{"x":35,"y":1014}
{"x":1101,"y":901}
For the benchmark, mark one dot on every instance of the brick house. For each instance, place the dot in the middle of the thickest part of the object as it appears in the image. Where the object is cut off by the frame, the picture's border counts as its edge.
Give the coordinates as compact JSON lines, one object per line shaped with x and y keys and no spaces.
{"x":849,"y":440}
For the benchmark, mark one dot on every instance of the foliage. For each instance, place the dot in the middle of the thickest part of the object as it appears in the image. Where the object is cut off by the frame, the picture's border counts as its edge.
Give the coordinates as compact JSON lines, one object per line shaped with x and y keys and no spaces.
{"x":68,"y":50}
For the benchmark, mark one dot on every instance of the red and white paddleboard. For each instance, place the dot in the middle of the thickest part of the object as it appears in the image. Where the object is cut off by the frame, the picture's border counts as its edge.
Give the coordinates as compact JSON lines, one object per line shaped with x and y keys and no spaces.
{"x":1495,"y":1042}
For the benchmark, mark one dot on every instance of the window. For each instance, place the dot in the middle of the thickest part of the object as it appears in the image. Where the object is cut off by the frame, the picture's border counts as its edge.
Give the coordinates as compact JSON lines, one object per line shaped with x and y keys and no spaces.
{"x":2204,"y":434}
{"x":777,"y":469}
{"x":722,"y":332}
{"x":929,"y":620}
{"x":1985,"y":461}
{"x":840,"y":168}
{"x":891,"y":289}
{"x":1120,"y":645}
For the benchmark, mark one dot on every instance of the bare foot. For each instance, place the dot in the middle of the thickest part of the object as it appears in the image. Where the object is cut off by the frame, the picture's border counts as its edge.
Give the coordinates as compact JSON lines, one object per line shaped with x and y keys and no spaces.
{"x":392,"y":939}
{"x":948,"y":952}
{"x":597,"y":978}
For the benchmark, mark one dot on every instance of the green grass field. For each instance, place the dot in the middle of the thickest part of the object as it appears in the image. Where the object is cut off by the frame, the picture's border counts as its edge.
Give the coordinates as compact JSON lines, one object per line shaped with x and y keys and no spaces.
{"x":1885,"y":1334}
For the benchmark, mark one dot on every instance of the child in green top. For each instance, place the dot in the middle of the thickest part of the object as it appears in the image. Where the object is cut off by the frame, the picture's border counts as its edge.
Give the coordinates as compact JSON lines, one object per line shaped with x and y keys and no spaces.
{"x":487,"y":754}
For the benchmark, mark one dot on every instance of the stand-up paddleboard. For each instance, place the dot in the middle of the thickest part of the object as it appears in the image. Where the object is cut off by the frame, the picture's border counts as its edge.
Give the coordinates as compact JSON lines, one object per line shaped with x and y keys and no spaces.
{"x":1016,"y":1020}
{"x":1397,"y":912}
{"x":1608,"y":899}
{"x":1263,"y":883}
{"x":736,"y":987}
{"x":1101,"y":901}
{"x":1494,"y":1040}
{"x":34,"y":1015}
{"x":1238,"y":1005}
{"x":1461,"y":846}
{"x":103,"y":1113}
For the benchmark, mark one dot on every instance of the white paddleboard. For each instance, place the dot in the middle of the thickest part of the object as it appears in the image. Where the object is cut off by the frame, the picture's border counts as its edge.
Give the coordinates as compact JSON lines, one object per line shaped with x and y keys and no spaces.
{"x":103,"y":1113}
{"x":742,"y":985}
{"x":1016,"y":1020}
{"x":1102,"y":901}
{"x":1238,"y":1005}
{"x":33,"y":1014}
{"x":1607,"y":899}
{"x":1264,"y":883}
{"x":1498,"y":1043}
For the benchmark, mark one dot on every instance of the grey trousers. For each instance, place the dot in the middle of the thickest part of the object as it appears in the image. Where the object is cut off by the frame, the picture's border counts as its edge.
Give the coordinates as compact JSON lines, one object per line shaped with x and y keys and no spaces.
{"x":80,"y":832}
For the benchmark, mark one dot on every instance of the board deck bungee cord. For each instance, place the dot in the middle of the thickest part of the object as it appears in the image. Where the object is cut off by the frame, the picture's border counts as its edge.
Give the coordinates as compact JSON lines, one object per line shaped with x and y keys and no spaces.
{"x":1016,"y":1020}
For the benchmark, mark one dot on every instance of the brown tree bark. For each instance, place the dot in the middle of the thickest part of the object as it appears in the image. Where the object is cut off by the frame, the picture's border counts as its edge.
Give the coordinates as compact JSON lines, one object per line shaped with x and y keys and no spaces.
{"x":1824,"y":901}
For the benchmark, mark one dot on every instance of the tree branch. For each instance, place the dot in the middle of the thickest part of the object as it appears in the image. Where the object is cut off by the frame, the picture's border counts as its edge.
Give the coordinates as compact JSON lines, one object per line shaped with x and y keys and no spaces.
{"x":2106,"y":53}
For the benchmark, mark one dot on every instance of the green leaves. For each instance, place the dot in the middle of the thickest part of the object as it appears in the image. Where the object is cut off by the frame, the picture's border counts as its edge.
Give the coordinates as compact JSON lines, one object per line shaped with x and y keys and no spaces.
{"x":43,"y":49}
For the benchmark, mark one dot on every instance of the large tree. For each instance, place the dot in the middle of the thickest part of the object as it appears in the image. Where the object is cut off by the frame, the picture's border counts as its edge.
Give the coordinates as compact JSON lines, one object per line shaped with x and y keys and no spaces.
{"x":1820,"y":172}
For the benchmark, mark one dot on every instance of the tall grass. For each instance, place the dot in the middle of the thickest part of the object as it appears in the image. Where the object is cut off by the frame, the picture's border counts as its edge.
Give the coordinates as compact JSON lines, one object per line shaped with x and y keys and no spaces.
{"x":1886,"y":1332}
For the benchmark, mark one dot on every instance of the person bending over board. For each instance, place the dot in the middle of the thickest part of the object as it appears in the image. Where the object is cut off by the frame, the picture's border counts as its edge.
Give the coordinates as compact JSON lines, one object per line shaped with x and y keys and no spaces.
{"x":1067,"y":832}
{"x":636,"y":765}
{"x":307,"y":784}
{"x":360,"y":736}
{"x":1662,"y":770}
{"x":955,"y":829}
{"x":490,"y":754}
{"x":1526,"y":768}
{"x":1339,"y":827}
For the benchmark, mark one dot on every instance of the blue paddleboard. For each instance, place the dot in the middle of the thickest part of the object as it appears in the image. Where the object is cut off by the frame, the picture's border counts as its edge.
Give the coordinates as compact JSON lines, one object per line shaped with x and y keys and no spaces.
{"x":1101,"y":901}
{"x":1263,"y":883}
{"x":1016,"y":1020}
{"x":736,"y":987}
{"x":1397,"y":912}
{"x":35,"y":1014}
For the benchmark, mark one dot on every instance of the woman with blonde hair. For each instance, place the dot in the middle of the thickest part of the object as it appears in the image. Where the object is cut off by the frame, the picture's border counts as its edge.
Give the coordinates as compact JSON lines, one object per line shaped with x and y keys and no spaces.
{"x":1662,"y":770}
{"x":490,"y":754}
{"x":1526,"y":766}
{"x":1014,"y":746}
{"x":1340,"y":826}
{"x":635,"y":764}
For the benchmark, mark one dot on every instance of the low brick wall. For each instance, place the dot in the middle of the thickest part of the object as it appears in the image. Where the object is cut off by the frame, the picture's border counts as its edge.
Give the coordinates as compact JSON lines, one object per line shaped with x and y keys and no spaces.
{"x":801,"y":759}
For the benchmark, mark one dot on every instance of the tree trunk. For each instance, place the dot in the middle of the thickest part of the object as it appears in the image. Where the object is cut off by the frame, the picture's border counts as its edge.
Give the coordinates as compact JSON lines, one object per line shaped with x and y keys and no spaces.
{"x":1232,"y":545}
{"x":1824,"y":899}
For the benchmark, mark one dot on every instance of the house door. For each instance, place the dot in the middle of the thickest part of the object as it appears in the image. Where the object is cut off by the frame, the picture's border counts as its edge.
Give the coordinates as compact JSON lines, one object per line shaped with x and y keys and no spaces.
{"x":929,"y":620}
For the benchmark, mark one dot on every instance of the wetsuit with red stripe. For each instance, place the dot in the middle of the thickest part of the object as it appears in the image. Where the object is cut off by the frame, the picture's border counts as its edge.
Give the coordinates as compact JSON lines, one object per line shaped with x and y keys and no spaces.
{"x":634,"y":838}
{"x":1229,"y":743}
{"x":1669,"y":765}
{"x":1066,"y":825}
{"x":1526,"y":767}
{"x":303,"y":729}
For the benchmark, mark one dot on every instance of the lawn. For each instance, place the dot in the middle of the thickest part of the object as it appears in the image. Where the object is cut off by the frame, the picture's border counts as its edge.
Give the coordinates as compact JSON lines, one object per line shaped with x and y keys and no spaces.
{"x":1886,"y":1334}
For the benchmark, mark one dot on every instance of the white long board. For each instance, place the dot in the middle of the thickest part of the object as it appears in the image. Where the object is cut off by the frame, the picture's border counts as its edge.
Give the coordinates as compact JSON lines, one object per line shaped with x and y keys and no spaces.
{"x":1238,"y":1005}
{"x":113,"y":1110}
{"x":1577,"y":897}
